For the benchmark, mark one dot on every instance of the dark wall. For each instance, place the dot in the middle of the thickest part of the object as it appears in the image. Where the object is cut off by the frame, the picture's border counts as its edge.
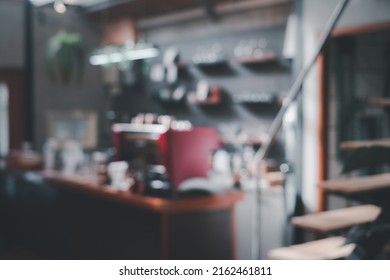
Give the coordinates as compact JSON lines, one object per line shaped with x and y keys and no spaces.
{"x":234,"y":78}
{"x":49,"y":95}
{"x":268,"y":23}
{"x":11,"y":32}
{"x":359,"y":70}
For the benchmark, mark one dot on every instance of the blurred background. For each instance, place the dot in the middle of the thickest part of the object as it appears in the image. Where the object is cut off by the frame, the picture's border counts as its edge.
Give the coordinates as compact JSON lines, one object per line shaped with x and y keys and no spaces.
{"x":134,"y":129}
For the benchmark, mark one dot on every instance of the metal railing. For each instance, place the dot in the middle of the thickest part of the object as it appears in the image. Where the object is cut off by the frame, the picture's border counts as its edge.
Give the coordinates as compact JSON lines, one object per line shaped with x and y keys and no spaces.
{"x":292,"y":95}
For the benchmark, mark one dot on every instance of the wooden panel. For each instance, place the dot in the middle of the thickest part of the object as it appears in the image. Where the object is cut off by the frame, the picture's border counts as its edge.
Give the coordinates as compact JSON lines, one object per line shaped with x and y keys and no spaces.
{"x":187,"y":240}
{"x":323,"y":121}
{"x":14,"y":78}
{"x":361,"y":29}
{"x":324,"y":249}
{"x":357,"y":185}
{"x":151,"y":203}
{"x":117,"y":32}
{"x":61,"y":223}
{"x":337,"y":219}
{"x":350,"y":145}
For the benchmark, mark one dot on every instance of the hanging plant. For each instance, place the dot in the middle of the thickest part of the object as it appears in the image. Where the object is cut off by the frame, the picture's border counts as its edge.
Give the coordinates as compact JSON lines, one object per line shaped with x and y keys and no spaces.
{"x":65,"y":57}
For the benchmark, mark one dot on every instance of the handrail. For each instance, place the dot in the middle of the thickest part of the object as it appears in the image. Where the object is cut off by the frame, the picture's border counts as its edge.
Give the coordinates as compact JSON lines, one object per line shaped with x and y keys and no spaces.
{"x":287,"y":102}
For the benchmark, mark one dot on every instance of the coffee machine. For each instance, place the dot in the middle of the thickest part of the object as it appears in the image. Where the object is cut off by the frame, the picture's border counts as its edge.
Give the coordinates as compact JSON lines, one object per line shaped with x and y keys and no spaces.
{"x":166,"y":157}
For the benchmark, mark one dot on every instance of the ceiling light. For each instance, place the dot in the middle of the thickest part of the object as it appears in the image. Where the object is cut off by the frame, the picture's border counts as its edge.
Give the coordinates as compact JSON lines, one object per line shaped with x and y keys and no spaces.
{"x":142,"y":53}
{"x":117,"y":56}
{"x":60,"y":7}
{"x":99,"y":59}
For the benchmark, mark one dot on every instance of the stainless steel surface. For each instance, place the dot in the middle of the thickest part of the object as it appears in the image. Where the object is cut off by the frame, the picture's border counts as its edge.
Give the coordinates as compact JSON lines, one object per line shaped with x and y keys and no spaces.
{"x":4,"y":126}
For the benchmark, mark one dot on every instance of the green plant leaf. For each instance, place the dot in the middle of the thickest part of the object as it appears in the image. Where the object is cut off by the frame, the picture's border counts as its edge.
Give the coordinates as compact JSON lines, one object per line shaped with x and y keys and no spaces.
{"x":65,"y":57}
{"x":65,"y":63}
{"x":366,"y":157}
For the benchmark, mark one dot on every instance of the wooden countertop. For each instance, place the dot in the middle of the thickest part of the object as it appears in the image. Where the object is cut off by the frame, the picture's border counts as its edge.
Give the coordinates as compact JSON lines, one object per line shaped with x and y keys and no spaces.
{"x":155,"y":204}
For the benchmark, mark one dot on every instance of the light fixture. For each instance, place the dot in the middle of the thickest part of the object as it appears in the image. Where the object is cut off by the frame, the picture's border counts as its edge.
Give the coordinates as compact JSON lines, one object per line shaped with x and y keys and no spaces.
{"x":60,"y":7}
{"x":110,"y":54}
{"x":4,"y":125}
{"x":141,"y":54}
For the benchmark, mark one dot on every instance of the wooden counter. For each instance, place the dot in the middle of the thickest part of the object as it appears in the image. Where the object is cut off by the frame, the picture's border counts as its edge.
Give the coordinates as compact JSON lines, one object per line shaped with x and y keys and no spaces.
{"x":162,"y":205}
{"x":69,"y":218}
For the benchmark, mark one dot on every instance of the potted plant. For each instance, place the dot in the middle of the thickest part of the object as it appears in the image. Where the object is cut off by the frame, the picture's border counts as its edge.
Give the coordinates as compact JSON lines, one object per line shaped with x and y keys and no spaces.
{"x":65,"y":57}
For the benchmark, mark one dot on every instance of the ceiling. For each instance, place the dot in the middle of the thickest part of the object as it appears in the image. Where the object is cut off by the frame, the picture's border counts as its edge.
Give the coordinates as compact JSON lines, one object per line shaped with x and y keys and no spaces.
{"x":141,"y":9}
{"x":84,"y":3}
{"x":138,"y":9}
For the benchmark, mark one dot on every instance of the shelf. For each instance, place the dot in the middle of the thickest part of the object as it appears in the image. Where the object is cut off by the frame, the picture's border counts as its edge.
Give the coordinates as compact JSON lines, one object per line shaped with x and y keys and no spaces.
{"x":215,"y":97}
{"x":213,"y":100}
{"x":357,"y":185}
{"x":351,"y":145}
{"x":219,"y":68}
{"x":333,"y":220}
{"x":325,"y":249}
{"x":217,"y":63}
{"x":381,"y":102}
{"x":253,"y":60}
{"x":256,"y":98}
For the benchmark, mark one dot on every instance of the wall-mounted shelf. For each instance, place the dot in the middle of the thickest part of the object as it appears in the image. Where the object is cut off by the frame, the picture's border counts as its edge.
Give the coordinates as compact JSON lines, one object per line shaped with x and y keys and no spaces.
{"x":212,"y":100}
{"x":381,"y":102}
{"x":206,"y":94}
{"x":256,"y":98}
{"x":220,"y":68}
{"x":220,"y":62}
{"x":255,"y":60}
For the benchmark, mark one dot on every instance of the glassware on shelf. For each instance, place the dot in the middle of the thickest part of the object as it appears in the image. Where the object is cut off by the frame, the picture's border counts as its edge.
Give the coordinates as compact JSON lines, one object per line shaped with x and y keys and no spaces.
{"x":165,"y":120}
{"x":209,"y":55}
{"x":129,"y":51}
{"x":252,"y":48}
{"x":72,"y":155}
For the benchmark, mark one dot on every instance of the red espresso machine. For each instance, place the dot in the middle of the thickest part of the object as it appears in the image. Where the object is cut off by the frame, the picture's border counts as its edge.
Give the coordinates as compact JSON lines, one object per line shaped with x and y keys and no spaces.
{"x":185,"y":154}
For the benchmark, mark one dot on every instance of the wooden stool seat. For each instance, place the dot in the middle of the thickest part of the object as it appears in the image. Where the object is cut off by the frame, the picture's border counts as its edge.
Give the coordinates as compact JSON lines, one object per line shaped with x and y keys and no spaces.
{"x":324,"y":249}
{"x":357,"y":184}
{"x":339,"y":219}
